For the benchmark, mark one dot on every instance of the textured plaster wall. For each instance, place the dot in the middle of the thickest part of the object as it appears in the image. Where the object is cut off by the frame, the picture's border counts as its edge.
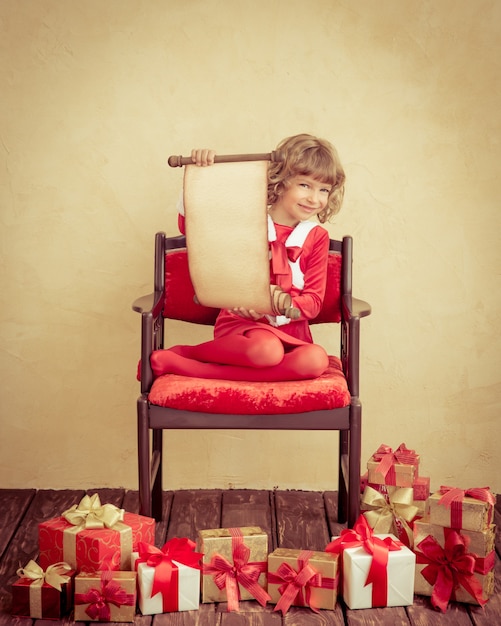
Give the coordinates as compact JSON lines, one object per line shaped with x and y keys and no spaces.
{"x":96,"y":95}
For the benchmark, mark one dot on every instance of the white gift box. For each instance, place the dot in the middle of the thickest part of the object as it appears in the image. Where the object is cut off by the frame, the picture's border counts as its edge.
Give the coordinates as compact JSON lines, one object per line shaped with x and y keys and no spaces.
{"x":188,"y":597}
{"x":400,"y":576}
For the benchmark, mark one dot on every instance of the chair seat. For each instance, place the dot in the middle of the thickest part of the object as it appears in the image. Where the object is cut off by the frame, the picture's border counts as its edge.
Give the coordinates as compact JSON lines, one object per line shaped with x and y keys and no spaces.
{"x":329,"y":391}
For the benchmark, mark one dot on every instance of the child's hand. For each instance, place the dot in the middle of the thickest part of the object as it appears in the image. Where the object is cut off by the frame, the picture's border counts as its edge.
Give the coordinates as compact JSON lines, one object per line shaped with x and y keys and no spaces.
{"x":202,"y":156}
{"x":247,"y":313}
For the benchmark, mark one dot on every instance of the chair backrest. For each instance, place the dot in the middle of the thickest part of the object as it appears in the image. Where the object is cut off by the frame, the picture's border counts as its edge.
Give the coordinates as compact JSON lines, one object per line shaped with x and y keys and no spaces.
{"x":171,"y":272}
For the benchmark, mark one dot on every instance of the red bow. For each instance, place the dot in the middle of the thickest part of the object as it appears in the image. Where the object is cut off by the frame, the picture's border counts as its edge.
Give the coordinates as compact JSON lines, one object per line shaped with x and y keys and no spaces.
{"x":296,"y":583}
{"x":363,"y":536}
{"x":99,"y":600}
{"x":280,"y":257}
{"x":453,"y":497}
{"x":448,"y":568}
{"x":166,"y":572}
{"x":387,"y":458}
{"x":229,"y":576}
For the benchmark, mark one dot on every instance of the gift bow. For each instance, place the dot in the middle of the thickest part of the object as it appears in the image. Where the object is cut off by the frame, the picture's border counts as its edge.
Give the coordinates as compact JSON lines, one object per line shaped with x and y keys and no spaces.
{"x":387,"y":458}
{"x":296,"y":583}
{"x":89,"y":513}
{"x":280,"y":257}
{"x":394,"y":511}
{"x":448,"y":568}
{"x":452,"y":498}
{"x":99,"y":600}
{"x":363,"y":536}
{"x":53,"y":576}
{"x":176,"y":549}
{"x":228,"y":575}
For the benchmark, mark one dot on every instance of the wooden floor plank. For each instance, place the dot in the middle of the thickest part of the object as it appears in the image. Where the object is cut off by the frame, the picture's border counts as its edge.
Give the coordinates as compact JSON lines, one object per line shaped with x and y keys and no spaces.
{"x":242,"y":507}
{"x":192,"y":511}
{"x":301,"y":520}
{"x":13,"y":505}
{"x":331,"y":510}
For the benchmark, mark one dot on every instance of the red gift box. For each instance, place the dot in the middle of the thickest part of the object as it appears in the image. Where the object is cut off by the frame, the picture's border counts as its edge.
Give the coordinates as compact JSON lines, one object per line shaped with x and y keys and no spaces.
{"x":43,"y":595}
{"x":96,"y":537}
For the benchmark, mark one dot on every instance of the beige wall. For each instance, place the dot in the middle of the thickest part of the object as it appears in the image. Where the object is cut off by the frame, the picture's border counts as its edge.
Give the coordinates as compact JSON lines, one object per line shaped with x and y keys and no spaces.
{"x":96,"y":95}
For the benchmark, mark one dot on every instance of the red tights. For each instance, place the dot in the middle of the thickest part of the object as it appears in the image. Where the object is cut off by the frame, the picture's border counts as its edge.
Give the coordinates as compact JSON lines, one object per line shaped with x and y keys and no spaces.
{"x":258,"y":355}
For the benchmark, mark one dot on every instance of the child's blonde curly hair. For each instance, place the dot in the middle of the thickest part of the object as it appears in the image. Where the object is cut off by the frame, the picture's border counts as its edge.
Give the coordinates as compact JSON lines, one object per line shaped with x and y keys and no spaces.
{"x":309,"y":156}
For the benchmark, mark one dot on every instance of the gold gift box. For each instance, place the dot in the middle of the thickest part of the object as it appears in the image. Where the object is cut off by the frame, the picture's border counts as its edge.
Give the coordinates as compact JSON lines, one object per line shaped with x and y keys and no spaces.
{"x":220,"y":541}
{"x":479,"y":543}
{"x":475,"y":514}
{"x":84,"y":582}
{"x":325,"y":563}
{"x":405,"y":475}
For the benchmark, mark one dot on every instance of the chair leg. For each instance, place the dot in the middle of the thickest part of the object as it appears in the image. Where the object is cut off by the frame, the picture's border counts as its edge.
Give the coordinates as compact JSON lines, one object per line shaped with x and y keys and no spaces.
{"x":354,"y":463}
{"x":156,"y":475}
{"x":143,"y":454}
{"x":342,"y":508}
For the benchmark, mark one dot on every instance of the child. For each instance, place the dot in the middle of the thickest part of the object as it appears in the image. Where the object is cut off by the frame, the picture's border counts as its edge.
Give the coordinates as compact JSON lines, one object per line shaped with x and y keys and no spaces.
{"x":248,"y":345}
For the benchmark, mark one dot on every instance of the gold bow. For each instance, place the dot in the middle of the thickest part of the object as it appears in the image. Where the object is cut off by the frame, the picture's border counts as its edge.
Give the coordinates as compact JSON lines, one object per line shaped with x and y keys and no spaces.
{"x":90,"y":514}
{"x":53,"y":576}
{"x":387,"y":515}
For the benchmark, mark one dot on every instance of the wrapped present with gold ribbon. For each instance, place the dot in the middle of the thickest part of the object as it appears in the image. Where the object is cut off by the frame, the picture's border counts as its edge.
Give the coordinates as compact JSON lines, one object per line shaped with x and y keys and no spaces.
{"x":453,"y":565}
{"x":108,"y":596}
{"x":43,"y":594}
{"x":235,"y":562}
{"x":92,"y":537}
{"x":398,"y":468}
{"x":468,"y":509}
{"x":391,"y":512}
{"x":302,"y":578}
{"x":169,"y":577}
{"x":377,"y":570}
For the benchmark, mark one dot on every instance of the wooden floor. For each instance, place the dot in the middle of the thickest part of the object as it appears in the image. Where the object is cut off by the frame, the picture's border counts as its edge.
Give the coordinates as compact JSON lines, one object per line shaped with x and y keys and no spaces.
{"x":296,"y":519}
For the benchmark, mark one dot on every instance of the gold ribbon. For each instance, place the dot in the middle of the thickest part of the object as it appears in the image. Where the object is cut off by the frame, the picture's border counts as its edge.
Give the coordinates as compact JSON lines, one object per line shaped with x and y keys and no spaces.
{"x":388,"y":514}
{"x":90,"y":514}
{"x":53,"y":576}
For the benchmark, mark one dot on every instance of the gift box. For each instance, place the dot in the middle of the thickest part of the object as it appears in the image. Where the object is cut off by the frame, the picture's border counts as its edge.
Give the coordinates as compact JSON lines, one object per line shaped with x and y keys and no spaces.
{"x":391,"y":512}
{"x":91,"y":537}
{"x":377,"y":570}
{"x":234,"y":565}
{"x":453,"y":564}
{"x":43,"y":595}
{"x":108,"y":596}
{"x":398,"y":468}
{"x":421,"y":488}
{"x":470,"y":509}
{"x":302,"y":578}
{"x":168,"y":579}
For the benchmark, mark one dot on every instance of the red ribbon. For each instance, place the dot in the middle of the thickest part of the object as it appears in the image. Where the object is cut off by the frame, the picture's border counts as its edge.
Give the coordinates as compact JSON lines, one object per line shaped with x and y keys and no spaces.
{"x":449,"y":568}
{"x":387,"y":458}
{"x":363,"y":536}
{"x":166,"y":577}
{"x":229,"y":576}
{"x":453,"y":497}
{"x":297,"y":585}
{"x":280,"y":257}
{"x":99,"y":600}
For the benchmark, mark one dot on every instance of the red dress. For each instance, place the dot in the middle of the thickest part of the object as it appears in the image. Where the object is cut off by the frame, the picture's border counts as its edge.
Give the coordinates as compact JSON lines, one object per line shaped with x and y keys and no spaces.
{"x":313,"y":257}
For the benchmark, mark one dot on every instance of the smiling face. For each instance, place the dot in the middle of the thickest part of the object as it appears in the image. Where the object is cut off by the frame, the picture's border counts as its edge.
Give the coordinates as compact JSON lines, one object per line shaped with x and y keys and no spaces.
{"x":303,"y":197}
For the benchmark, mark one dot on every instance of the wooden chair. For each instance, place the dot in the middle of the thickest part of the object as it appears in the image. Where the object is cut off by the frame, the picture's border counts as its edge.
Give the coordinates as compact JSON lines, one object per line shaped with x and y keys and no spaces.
{"x":330,"y":402}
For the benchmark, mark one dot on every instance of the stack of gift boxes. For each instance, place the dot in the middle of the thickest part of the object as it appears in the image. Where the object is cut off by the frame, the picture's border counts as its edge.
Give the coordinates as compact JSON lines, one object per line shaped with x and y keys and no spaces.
{"x":102,"y":563}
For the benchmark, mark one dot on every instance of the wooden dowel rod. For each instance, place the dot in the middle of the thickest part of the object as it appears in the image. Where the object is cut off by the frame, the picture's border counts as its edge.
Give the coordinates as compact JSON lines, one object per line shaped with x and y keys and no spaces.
{"x":179,"y":161}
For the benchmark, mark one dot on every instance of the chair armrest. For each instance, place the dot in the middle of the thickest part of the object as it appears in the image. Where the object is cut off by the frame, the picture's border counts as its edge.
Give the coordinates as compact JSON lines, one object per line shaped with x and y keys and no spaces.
{"x":144,"y":303}
{"x":355,"y":308}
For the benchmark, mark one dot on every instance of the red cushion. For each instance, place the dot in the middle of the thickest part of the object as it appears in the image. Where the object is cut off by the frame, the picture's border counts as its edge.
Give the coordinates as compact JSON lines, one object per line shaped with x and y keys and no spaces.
{"x":329,"y":391}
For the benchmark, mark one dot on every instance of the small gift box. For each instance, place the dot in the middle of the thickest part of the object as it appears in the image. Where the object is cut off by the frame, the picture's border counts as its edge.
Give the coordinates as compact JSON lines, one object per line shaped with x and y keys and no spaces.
{"x":392,"y":512}
{"x":302,"y":578}
{"x":234,"y":565}
{"x":108,"y":596}
{"x":168,"y":578}
{"x":453,"y":565}
{"x":421,"y":488}
{"x":377,"y":570}
{"x":92,"y":537}
{"x":398,"y":468}
{"x":43,"y":595}
{"x":470,"y":509}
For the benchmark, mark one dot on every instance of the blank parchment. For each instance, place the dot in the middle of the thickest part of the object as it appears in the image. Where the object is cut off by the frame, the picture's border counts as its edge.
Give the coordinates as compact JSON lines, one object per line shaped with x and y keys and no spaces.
{"x":227,"y":234}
